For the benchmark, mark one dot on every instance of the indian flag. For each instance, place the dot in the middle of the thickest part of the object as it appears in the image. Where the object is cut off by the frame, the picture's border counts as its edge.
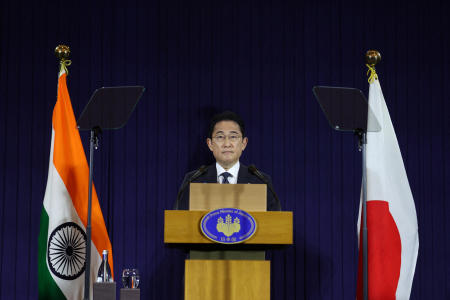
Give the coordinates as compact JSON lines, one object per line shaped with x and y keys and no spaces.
{"x":62,"y":237}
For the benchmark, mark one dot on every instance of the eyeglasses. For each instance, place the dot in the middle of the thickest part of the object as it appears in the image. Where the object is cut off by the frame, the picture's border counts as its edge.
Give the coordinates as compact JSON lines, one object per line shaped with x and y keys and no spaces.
{"x":233,"y":138}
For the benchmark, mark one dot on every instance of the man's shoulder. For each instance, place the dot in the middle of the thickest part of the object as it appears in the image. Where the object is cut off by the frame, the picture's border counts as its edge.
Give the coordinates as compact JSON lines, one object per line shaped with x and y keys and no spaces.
{"x":190,"y":173}
{"x":207,"y":169}
{"x":245,"y":176}
{"x":209,"y":173}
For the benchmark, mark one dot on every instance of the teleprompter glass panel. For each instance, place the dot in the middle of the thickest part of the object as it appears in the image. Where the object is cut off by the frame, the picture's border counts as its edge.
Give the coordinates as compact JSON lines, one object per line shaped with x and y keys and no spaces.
{"x":346,"y":109}
{"x":110,"y":107}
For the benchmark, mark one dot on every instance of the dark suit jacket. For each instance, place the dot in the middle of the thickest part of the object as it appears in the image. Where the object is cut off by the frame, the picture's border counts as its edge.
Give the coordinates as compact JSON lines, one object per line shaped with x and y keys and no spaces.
{"x":244,"y":176}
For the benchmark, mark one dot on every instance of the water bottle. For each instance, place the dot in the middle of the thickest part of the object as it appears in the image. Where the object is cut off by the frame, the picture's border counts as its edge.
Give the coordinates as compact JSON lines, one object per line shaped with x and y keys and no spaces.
{"x":104,"y":272}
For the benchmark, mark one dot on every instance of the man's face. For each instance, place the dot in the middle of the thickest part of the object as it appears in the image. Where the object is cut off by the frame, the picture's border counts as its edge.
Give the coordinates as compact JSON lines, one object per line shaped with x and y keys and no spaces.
{"x":227,"y":143}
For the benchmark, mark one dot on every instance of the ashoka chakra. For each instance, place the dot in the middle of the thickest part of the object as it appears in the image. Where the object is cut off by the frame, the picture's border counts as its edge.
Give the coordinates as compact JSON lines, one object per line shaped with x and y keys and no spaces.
{"x":66,"y":251}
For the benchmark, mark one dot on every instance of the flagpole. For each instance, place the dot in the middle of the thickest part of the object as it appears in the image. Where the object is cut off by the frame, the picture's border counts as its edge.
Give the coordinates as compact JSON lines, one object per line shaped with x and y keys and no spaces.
{"x":362,"y":141}
{"x":62,"y":52}
{"x":372,"y":58}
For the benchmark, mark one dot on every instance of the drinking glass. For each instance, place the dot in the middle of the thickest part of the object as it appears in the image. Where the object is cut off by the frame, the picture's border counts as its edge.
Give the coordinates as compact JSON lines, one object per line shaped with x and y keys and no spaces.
{"x":126,"y":274}
{"x":130,"y":278}
{"x":134,"y":274}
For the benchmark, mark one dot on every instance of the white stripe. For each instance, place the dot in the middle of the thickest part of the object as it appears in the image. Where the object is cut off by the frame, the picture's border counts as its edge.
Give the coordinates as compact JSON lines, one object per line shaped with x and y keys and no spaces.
{"x":60,"y":209}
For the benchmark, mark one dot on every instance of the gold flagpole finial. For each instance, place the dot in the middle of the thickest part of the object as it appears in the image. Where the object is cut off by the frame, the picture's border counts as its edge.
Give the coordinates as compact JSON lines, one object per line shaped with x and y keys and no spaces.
{"x":372,"y":58}
{"x":62,"y":52}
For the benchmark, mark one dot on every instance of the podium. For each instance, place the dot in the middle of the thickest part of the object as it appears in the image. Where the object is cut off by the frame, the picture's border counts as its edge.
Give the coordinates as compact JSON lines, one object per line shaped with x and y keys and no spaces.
{"x":241,"y":273}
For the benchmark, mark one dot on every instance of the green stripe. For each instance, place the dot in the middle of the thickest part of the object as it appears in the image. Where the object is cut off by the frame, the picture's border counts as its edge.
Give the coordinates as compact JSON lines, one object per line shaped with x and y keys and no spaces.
{"x":48,"y":289}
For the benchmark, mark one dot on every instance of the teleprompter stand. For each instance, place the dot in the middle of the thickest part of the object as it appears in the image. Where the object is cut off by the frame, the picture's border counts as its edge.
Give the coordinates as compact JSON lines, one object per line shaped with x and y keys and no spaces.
{"x":346,"y":109}
{"x":109,"y":108}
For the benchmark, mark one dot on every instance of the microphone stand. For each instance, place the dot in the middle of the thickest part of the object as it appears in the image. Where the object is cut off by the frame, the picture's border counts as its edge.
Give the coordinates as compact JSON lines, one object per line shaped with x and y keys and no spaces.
{"x":197,"y":174}
{"x":258,"y":174}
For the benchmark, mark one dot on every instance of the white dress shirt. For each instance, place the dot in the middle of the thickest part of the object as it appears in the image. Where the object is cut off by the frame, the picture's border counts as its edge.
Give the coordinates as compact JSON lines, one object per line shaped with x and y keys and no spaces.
{"x":234,"y":170}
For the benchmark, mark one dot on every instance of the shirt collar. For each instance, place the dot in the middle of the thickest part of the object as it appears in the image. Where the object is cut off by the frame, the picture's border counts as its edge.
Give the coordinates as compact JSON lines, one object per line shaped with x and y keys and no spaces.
{"x":234,"y":170}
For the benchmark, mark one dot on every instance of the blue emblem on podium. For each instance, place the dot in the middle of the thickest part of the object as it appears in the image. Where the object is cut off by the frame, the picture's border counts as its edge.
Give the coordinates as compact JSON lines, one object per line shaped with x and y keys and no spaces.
{"x":228,"y":225}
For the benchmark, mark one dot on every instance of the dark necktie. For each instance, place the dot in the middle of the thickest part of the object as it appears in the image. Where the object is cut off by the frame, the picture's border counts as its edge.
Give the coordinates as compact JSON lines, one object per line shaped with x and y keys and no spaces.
{"x":225,"y":177}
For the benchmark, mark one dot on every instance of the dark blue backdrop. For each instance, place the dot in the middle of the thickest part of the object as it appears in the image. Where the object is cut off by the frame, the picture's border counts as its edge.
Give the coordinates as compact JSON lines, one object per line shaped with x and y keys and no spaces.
{"x":260,"y":59}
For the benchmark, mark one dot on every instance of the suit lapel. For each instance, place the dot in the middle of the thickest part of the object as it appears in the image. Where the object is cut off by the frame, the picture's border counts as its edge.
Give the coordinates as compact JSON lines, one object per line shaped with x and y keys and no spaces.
{"x":211,"y":174}
{"x":243,"y":174}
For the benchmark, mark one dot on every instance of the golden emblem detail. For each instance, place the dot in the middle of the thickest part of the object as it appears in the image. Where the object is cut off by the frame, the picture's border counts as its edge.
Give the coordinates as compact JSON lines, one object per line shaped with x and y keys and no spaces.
{"x":228,"y":228}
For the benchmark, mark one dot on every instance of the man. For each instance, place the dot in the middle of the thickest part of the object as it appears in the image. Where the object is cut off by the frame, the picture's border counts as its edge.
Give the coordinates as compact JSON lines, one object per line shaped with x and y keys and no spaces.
{"x":226,"y":140}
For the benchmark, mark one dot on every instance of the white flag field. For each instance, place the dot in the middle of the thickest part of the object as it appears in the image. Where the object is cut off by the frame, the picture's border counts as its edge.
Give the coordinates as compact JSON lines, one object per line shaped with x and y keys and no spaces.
{"x":393,"y":240}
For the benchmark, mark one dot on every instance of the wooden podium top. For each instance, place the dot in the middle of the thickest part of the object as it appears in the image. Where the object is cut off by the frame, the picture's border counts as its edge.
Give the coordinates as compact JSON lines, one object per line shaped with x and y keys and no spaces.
{"x":183,"y":227}
{"x":249,"y":197}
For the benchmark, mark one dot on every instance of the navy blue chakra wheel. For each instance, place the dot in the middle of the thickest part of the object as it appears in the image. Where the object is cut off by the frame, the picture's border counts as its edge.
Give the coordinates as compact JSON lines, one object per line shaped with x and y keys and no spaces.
{"x":66,"y":251}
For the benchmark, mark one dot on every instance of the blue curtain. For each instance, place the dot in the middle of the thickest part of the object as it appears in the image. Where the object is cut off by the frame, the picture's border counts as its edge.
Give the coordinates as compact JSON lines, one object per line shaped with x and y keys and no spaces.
{"x":260,"y":59}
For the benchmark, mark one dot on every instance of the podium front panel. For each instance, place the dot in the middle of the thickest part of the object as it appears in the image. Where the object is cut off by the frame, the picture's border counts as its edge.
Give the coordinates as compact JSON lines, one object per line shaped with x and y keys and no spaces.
{"x":227,"y":279}
{"x":183,"y":227}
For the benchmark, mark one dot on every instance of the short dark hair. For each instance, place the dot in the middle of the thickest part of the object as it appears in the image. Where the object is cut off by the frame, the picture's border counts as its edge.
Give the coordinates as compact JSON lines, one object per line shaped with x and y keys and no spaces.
{"x":226,"y":116}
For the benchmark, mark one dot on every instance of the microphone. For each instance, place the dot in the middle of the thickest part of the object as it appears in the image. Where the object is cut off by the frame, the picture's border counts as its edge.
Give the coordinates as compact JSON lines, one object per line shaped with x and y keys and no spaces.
{"x":258,"y":174}
{"x":194,"y":176}
{"x":199,"y":172}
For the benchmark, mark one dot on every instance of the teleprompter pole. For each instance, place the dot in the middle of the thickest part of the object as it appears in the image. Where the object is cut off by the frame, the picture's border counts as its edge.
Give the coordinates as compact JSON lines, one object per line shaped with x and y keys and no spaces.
{"x":87,"y":272}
